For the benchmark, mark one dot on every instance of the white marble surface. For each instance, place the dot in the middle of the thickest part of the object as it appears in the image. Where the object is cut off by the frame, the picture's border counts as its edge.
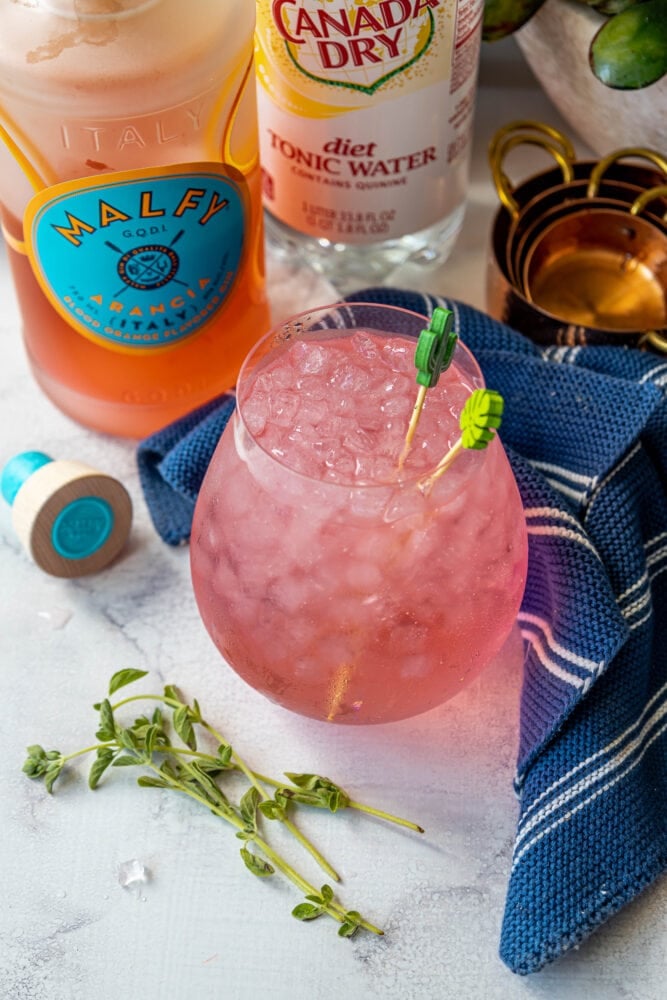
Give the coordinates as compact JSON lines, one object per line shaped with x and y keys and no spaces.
{"x":201,"y":926}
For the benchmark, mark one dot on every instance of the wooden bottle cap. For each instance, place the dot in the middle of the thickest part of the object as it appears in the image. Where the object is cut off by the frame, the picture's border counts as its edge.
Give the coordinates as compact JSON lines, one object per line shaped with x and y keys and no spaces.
{"x":70,"y":518}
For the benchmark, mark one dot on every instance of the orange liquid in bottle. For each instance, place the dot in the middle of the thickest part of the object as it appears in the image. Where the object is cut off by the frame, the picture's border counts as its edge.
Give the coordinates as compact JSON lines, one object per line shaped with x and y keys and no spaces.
{"x":96,"y":93}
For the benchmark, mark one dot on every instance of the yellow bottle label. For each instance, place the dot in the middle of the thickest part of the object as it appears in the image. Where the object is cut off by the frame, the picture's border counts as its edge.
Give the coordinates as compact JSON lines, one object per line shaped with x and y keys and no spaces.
{"x":141,"y":259}
{"x":365,"y":112}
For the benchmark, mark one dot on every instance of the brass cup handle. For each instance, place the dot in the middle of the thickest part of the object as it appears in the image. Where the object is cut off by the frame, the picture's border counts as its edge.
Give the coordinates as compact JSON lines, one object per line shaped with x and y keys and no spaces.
{"x":500,"y":147}
{"x":654,"y":339}
{"x":523,"y":125}
{"x":644,"y":199}
{"x":638,"y":152}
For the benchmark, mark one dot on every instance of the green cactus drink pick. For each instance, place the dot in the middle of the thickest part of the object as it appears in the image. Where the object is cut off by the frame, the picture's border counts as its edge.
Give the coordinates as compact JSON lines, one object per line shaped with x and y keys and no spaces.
{"x":480,"y":418}
{"x":433,"y":356}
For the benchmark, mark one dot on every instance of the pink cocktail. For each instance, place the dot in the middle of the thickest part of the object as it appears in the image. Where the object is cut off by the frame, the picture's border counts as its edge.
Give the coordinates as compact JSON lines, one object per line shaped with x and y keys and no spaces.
{"x":333,"y":582}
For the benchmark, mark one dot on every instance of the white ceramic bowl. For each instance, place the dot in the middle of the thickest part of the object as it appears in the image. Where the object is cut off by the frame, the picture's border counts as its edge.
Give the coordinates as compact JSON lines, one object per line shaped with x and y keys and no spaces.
{"x":555,"y":45}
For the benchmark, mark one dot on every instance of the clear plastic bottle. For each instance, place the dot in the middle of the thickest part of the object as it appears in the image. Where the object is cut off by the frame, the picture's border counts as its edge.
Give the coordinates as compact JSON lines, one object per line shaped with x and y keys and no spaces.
{"x":130,"y":201}
{"x":365,"y":115}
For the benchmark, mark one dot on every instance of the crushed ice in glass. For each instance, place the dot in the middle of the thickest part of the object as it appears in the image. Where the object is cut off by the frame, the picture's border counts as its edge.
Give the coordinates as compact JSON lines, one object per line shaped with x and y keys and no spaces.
{"x":339,"y":407}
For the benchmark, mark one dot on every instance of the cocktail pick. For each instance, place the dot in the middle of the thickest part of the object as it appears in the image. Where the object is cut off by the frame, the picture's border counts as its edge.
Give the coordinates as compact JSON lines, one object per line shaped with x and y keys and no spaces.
{"x":433,"y":356}
{"x":480,"y":418}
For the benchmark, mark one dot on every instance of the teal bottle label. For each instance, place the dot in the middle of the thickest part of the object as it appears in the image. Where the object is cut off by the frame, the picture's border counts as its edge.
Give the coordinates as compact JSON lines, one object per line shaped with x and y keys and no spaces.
{"x":139,"y":260}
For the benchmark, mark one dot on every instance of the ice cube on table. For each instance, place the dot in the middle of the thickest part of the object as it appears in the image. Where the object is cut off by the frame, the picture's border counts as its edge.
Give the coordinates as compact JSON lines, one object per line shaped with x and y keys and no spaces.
{"x":132,"y":873}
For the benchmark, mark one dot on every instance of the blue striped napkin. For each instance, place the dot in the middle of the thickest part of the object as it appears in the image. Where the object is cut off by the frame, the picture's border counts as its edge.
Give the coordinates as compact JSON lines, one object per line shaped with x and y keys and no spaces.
{"x":586,"y":432}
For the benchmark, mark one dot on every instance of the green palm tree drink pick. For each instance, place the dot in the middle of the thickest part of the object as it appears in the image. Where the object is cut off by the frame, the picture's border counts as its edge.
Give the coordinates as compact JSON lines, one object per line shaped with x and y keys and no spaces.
{"x":483,"y":411}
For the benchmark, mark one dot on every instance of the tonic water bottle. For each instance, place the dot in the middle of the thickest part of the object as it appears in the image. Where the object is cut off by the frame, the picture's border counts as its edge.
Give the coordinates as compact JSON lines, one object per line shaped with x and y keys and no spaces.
{"x":365,"y":115}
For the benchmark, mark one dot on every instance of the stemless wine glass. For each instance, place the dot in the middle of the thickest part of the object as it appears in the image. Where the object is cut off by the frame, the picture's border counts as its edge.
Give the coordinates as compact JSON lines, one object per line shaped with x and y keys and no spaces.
{"x":337,"y":581}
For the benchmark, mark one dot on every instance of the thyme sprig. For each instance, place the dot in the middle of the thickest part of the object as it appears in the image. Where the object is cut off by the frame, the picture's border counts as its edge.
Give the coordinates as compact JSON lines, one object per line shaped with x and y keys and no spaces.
{"x":151,"y":742}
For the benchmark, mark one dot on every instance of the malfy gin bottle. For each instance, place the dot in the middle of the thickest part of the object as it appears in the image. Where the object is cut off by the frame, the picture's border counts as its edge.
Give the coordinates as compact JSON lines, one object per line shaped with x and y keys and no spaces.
{"x":130,"y":201}
{"x":365,"y":114}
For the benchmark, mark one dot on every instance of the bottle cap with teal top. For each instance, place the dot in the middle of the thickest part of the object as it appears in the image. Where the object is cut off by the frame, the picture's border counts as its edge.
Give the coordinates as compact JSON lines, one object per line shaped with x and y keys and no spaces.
{"x":71,"y":518}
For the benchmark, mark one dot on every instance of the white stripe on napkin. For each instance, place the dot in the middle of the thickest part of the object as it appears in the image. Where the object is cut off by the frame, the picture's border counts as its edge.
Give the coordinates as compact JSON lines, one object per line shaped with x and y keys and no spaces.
{"x":619,"y":766}
{"x":614,"y":472}
{"x":566,"y":481}
{"x":556,"y":530}
{"x":546,"y":661}
{"x":649,"y":376}
{"x":533,"y":623}
{"x":564,"y":778}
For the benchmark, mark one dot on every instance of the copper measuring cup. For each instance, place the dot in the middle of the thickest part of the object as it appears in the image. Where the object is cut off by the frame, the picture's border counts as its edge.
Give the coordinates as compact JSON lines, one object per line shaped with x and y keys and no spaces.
{"x":619,"y":196}
{"x":615,"y":184}
{"x":603,"y":268}
{"x":599,"y":193}
{"x":633,"y":179}
{"x":520,"y":133}
{"x":534,"y":211}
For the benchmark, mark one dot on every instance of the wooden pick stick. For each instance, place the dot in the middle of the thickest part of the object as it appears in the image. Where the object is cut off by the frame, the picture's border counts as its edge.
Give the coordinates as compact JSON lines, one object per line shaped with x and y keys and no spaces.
{"x":412,"y":427}
{"x":433,"y":355}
